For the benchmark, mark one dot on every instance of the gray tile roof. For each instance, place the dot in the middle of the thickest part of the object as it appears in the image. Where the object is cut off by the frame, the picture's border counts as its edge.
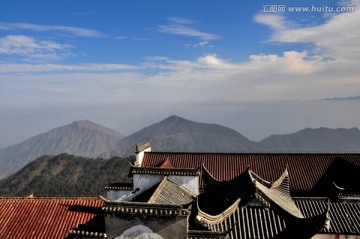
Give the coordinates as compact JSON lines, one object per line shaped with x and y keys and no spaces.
{"x":168,"y":192}
{"x":254,"y":222}
{"x":344,"y":216}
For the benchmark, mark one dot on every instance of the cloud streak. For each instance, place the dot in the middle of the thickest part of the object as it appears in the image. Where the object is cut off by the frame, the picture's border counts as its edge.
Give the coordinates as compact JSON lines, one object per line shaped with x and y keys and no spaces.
{"x":91,"y":67}
{"x":76,"y":31}
{"x":32,"y":48}
{"x":180,"y":26}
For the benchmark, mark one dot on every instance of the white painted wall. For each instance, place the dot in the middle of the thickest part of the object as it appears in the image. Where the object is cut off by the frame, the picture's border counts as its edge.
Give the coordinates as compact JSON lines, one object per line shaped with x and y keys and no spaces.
{"x":140,"y":156}
{"x":144,"y":181}
{"x":117,"y":195}
{"x":189,"y":182}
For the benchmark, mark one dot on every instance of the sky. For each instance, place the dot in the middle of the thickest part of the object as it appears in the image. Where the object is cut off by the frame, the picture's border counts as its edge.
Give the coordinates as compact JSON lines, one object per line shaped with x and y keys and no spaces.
{"x":260,"y":67}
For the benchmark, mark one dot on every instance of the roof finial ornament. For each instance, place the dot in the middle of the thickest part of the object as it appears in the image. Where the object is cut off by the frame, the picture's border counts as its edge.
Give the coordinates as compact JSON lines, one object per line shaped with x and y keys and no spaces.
{"x":31,"y":195}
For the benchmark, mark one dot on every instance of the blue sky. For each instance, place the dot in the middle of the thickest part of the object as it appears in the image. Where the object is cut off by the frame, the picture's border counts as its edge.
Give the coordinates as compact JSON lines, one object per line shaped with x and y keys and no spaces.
{"x":177,"y":57}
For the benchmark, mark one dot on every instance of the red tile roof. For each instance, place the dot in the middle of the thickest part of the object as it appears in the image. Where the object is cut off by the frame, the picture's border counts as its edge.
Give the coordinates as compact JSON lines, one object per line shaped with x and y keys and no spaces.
{"x":305,"y":170}
{"x":43,"y":217}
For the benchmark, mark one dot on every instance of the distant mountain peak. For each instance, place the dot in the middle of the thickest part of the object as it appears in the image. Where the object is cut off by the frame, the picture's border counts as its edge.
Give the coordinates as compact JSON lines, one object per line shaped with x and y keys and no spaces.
{"x":175,"y":133}
{"x":85,"y":124}
{"x":83,"y":138}
{"x":174,"y":119}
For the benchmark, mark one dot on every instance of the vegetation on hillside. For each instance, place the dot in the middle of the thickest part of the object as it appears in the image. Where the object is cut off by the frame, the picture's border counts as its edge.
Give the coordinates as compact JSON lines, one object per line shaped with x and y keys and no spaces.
{"x":66,"y":175}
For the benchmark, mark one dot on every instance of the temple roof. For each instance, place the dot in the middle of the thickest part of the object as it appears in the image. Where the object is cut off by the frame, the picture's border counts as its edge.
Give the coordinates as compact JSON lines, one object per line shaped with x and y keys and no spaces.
{"x":168,"y":192}
{"x":346,"y":193}
{"x":277,"y":193}
{"x":344,"y":216}
{"x":260,"y":209}
{"x":307,"y":169}
{"x":246,"y":187}
{"x":255,"y":222}
{"x":40,"y":217}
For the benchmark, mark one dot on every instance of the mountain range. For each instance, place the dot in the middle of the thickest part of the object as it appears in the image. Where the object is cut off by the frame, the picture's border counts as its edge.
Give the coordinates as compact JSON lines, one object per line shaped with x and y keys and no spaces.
{"x":83,"y":138}
{"x":88,"y":139}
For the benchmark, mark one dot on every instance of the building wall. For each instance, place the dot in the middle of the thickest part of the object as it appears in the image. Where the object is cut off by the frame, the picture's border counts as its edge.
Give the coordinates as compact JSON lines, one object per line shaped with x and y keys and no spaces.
{"x":140,"y":156}
{"x":191,"y":183}
{"x":166,"y":227}
{"x":335,"y":236}
{"x":145,"y":182}
{"x":117,"y":195}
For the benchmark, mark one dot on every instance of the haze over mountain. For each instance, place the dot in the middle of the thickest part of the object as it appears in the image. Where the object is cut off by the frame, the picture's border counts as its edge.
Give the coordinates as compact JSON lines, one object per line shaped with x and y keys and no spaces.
{"x":314,"y":140}
{"x":178,"y":134}
{"x":83,"y":138}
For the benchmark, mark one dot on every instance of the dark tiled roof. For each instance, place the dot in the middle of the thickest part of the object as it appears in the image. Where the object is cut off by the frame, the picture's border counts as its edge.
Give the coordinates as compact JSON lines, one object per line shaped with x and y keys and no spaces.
{"x":248,"y":186}
{"x":346,"y":192}
{"x":264,"y":223}
{"x":44,"y":217}
{"x":194,"y":234}
{"x":249,"y":223}
{"x":262,"y":210}
{"x":306,"y":169}
{"x":344,"y":216}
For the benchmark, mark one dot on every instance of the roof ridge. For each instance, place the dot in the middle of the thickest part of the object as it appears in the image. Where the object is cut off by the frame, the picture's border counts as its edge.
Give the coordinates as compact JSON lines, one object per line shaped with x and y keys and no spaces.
{"x":282,"y":183}
{"x":205,"y":218}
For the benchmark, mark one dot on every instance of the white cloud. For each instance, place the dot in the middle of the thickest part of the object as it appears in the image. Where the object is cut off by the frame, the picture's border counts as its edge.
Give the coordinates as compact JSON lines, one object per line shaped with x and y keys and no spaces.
{"x":202,"y":44}
{"x":214,"y":62}
{"x":180,"y":20}
{"x":276,"y":22}
{"x":291,"y":62}
{"x":77,"y":31}
{"x":336,"y":38}
{"x":65,"y":68}
{"x":31,"y":48}
{"x":205,"y":79}
{"x":180,"y":26}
